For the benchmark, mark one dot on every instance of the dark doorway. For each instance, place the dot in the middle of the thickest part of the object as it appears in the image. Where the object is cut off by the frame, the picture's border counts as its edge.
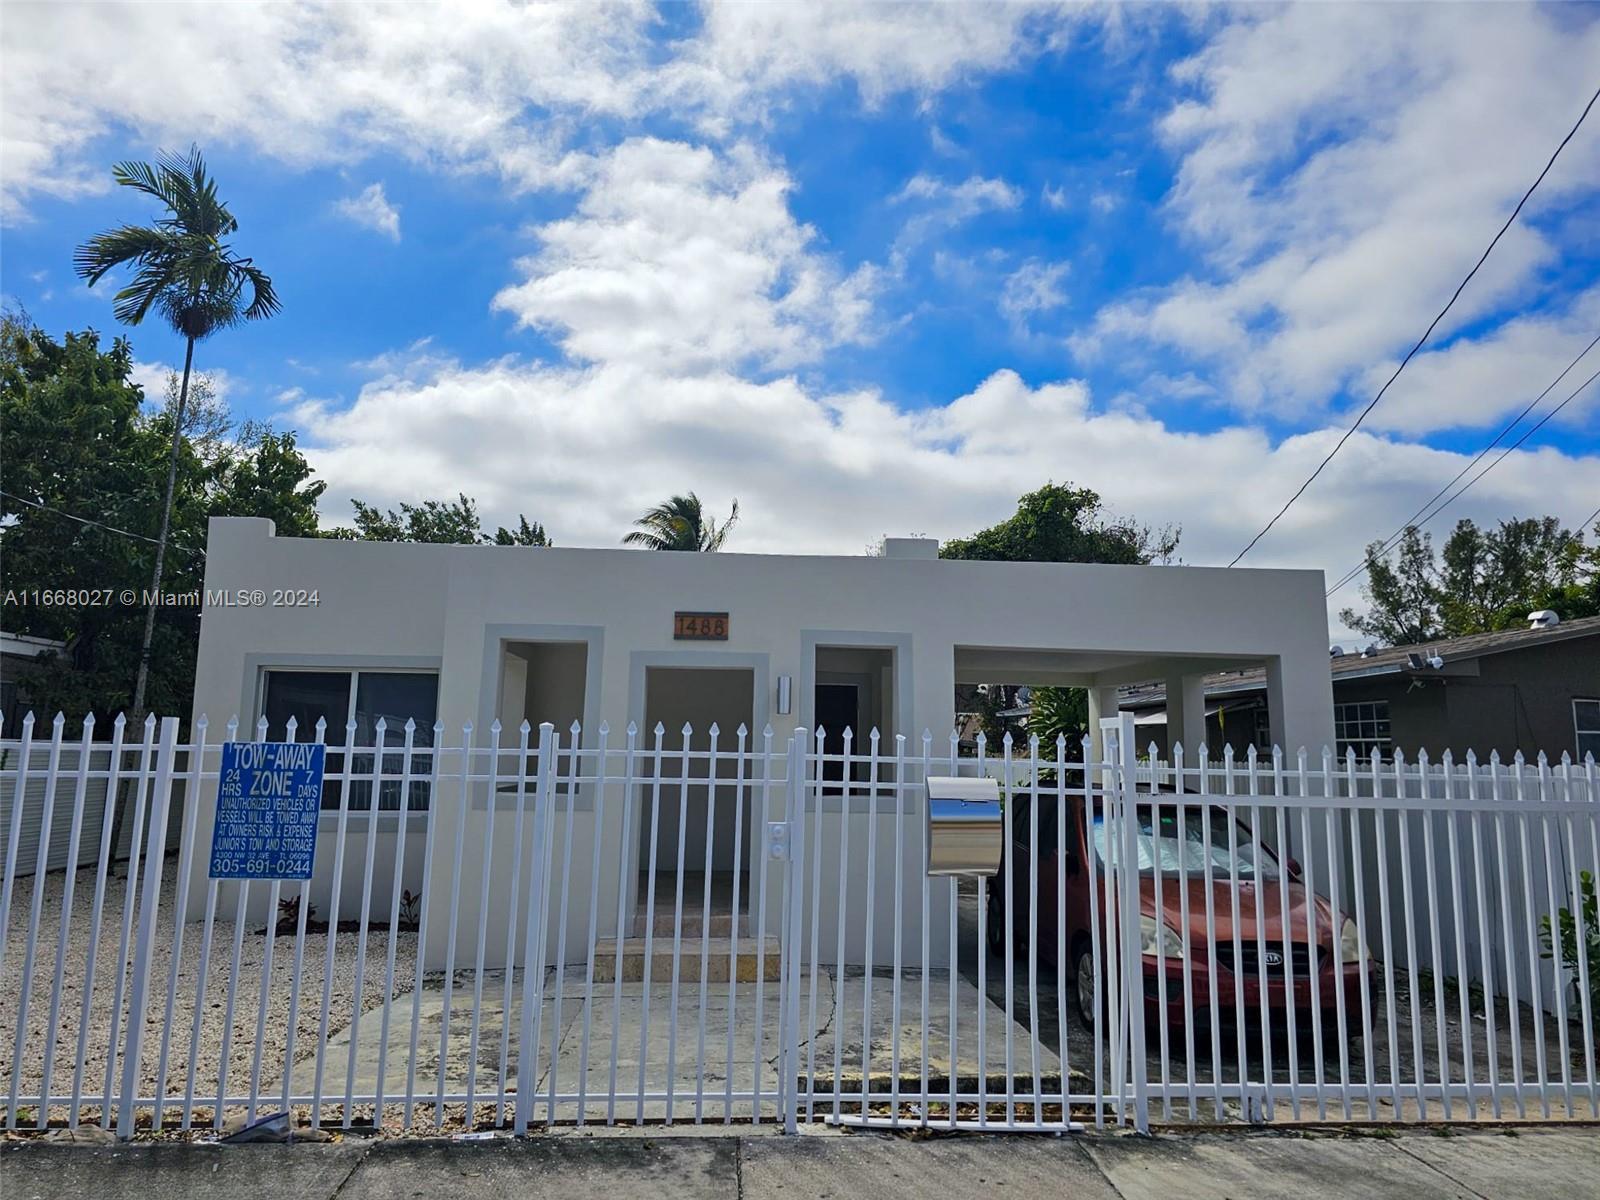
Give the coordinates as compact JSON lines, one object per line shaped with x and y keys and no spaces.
{"x":838,"y":707}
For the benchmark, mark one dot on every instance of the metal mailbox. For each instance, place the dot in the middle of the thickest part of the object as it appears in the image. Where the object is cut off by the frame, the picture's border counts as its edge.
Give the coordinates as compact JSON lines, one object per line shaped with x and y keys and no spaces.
{"x":964,"y":828}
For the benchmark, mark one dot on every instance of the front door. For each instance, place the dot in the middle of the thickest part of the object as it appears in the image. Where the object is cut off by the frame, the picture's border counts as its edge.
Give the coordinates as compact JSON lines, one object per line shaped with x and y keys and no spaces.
{"x":696,"y":831}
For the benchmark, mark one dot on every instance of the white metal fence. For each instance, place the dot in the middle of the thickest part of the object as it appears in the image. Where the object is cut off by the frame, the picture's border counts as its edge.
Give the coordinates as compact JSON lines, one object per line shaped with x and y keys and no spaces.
{"x":560,"y":928}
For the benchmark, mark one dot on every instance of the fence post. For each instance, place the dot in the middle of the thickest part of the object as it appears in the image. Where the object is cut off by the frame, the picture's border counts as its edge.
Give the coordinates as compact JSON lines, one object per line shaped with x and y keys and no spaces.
{"x":529,"y":1034}
{"x":1126,"y":772}
{"x":149,"y":906}
{"x":790,"y":949}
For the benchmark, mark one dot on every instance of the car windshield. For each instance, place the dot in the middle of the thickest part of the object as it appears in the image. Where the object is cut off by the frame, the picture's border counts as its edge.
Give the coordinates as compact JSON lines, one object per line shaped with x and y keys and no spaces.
{"x":1181,"y":848}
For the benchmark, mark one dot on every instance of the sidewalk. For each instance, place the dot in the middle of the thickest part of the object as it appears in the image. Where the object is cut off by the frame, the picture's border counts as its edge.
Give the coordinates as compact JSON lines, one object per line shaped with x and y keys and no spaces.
{"x":1551,"y":1164}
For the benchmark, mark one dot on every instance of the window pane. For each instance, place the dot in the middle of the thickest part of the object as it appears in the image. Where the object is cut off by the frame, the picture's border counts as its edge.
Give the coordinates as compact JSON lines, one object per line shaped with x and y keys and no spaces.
{"x":394,"y":698}
{"x":1586,"y":715}
{"x":306,"y":696}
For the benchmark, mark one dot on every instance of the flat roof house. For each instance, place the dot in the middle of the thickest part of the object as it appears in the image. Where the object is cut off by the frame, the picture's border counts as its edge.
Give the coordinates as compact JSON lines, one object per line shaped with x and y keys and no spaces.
{"x":478,"y":633}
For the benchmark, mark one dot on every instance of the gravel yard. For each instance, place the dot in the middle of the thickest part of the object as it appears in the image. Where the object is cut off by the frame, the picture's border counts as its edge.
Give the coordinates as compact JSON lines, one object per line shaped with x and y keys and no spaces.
{"x":206,"y":1051}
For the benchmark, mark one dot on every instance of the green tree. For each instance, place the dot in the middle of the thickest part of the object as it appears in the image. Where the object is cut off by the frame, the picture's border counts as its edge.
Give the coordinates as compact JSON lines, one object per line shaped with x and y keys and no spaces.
{"x":1484,"y":579}
{"x":1058,"y":712}
{"x":449,"y":522}
{"x":1404,"y":598}
{"x":264,"y":475}
{"x":1061,"y":523}
{"x":86,"y":466}
{"x":680,"y":523}
{"x":184,"y":270}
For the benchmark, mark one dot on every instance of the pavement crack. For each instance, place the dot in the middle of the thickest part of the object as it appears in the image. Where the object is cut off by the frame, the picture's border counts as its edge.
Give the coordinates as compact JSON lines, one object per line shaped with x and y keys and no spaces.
{"x":1399,"y":1144}
{"x":349,"y":1175}
{"x":824,"y":1027}
{"x":738,"y":1167}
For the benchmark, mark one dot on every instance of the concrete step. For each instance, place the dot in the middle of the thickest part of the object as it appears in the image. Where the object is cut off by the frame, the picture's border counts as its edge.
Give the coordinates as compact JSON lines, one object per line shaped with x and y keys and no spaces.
{"x":721,"y":924}
{"x":755,"y":961}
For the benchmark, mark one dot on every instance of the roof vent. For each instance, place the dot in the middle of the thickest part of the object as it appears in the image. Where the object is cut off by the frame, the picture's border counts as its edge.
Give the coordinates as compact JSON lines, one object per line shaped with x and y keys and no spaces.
{"x":1543,"y":619}
{"x":1369,"y":649}
{"x":1335,"y":651}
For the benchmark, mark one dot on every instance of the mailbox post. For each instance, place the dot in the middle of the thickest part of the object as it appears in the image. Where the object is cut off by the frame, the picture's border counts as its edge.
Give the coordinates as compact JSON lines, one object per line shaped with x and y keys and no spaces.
{"x":964,"y":828}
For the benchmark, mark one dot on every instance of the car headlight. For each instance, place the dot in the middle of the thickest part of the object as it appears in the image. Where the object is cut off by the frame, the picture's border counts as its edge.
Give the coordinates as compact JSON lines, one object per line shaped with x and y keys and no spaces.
{"x":1157,"y":937}
{"x":1350,"y":948}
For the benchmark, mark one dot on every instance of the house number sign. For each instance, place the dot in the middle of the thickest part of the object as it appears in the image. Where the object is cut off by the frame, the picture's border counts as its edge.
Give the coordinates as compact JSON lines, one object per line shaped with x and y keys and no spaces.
{"x":700,"y":627}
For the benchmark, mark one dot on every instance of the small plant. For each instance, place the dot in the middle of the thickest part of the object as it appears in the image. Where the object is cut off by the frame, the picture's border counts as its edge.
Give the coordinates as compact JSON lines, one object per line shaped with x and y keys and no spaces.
{"x":410,"y":911}
{"x":289,"y":914}
{"x":1562,"y":934}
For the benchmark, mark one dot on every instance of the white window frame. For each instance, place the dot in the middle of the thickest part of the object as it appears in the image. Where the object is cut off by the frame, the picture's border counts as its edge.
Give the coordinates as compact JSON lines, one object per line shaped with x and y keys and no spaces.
{"x":1342,"y":724}
{"x":1579,"y":730}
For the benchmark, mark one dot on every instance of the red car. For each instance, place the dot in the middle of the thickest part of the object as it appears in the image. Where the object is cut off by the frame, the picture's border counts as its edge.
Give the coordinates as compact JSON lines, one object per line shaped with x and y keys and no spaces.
{"x":1180,"y":849}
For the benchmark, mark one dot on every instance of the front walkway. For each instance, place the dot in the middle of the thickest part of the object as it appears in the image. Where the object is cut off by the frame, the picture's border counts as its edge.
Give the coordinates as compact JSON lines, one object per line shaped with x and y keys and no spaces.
{"x":834,"y":1023}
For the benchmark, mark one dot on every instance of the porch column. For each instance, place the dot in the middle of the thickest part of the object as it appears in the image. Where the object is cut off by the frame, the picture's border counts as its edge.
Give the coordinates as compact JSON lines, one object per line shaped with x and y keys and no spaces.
{"x":1102,"y":703}
{"x":1300,"y":704}
{"x":1186,"y":712}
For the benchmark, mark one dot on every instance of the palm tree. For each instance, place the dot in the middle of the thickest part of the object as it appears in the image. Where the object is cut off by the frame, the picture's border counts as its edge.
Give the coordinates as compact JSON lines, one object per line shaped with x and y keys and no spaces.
{"x":193,"y":279}
{"x":681,"y":524}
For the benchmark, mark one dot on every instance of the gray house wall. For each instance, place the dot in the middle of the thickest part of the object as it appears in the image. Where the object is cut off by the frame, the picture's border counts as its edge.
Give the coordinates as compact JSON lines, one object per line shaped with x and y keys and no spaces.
{"x":1510,"y":701}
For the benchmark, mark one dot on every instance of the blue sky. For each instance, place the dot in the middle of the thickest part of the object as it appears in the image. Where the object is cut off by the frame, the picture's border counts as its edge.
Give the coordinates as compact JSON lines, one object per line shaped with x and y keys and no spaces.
{"x":870,"y":269}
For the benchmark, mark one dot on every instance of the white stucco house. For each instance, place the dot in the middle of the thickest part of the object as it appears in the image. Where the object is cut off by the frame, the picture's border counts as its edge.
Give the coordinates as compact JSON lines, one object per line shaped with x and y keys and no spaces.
{"x":474,"y":633}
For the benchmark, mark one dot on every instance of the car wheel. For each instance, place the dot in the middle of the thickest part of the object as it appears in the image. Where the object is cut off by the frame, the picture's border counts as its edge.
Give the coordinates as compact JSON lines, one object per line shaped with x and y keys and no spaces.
{"x":1083,"y":976}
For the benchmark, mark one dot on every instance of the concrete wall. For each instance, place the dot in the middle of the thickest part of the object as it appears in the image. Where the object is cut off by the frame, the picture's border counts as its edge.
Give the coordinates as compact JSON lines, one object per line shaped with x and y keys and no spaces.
{"x":455,"y":609}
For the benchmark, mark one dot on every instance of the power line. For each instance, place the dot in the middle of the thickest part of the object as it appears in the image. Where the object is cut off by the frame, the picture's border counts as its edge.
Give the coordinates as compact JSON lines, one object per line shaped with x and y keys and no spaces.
{"x":1393,"y":539}
{"x":1529,"y":432}
{"x":1371,"y":404}
{"x":96,"y":524}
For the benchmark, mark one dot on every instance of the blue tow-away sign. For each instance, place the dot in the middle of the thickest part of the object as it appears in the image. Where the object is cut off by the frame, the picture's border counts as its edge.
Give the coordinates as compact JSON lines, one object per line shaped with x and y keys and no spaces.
{"x":269,"y":795}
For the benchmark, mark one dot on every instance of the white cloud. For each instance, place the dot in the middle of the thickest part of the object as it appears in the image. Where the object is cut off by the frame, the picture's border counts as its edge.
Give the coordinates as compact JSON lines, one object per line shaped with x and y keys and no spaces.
{"x":684,"y":259}
{"x":1054,"y":197}
{"x":937,"y":205}
{"x":491,"y":85}
{"x":760,"y":49}
{"x":372,"y":210}
{"x":157,"y":378}
{"x":1341,"y":169}
{"x":586,"y":450}
{"x":496,"y":85}
{"x":1034,"y":287}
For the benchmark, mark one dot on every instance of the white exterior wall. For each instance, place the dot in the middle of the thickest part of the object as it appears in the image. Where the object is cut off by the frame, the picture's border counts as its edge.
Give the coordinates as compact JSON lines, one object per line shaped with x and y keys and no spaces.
{"x":450,"y":608}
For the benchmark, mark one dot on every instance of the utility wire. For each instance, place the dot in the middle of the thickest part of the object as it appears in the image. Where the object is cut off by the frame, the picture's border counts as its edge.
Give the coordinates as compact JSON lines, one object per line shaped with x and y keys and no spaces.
{"x":1393,"y":539}
{"x":95,"y":524}
{"x":1529,"y":432}
{"x":1371,"y":404}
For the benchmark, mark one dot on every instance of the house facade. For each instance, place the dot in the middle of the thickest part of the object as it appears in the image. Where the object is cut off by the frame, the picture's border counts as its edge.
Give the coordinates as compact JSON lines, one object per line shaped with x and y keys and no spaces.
{"x":474,"y":634}
{"x":1528,"y":690}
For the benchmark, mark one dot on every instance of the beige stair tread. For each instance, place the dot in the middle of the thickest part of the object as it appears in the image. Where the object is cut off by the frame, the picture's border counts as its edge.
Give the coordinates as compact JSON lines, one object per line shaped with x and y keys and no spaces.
{"x":757,"y":957}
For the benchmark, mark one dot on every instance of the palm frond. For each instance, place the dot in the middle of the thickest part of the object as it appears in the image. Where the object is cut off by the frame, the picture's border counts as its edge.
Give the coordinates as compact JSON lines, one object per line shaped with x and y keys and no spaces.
{"x":184,"y":270}
{"x":129,"y":243}
{"x":263,"y":298}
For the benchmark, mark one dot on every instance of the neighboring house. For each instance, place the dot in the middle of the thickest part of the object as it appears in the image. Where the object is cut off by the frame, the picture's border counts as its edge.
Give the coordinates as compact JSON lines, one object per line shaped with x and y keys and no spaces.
{"x":1533,"y":689}
{"x":18,"y":650}
{"x":479,"y":633}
